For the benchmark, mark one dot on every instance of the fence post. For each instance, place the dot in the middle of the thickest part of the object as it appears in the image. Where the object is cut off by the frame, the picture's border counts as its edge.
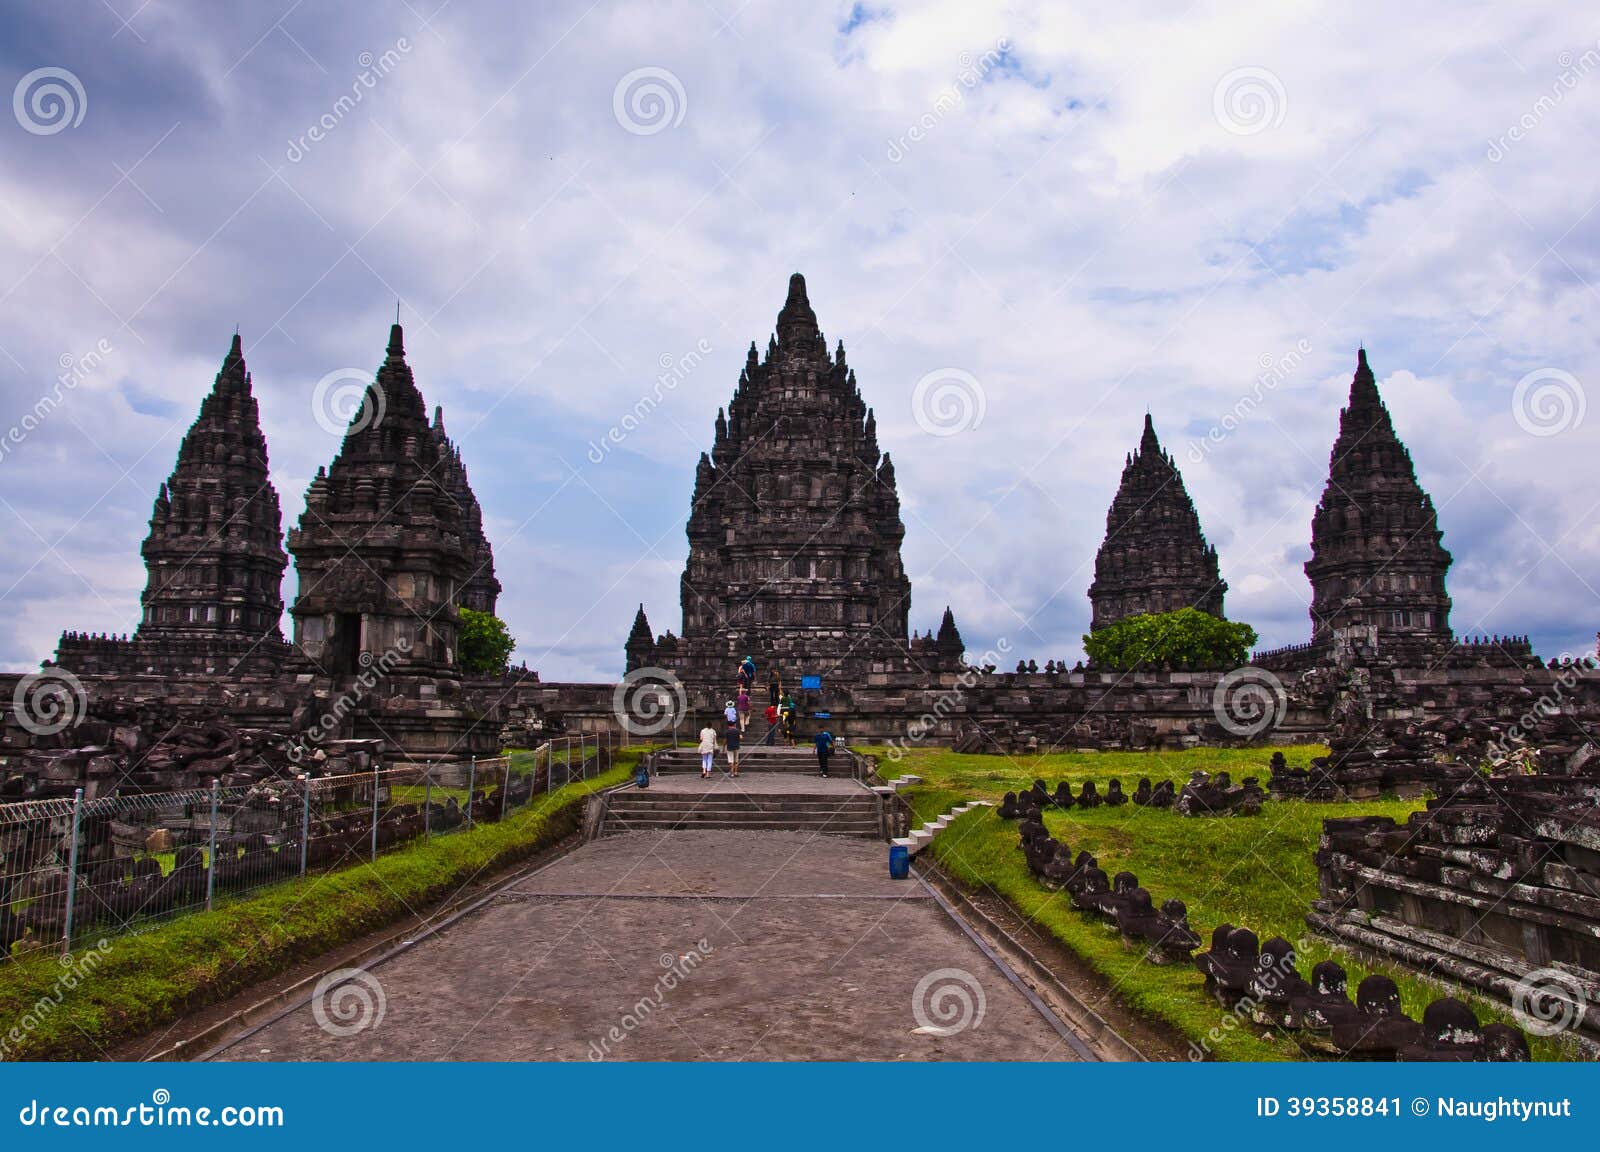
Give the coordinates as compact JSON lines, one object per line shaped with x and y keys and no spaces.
{"x":505,"y":785}
{"x":376,"y":766}
{"x":472,"y":779}
{"x":211,"y":847}
{"x":305,"y":819}
{"x":427,"y":803}
{"x":72,"y":870}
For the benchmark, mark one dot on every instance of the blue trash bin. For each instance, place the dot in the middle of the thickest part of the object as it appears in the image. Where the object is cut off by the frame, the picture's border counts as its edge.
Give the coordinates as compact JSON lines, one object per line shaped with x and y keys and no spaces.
{"x":641,"y":778}
{"x":899,"y":861}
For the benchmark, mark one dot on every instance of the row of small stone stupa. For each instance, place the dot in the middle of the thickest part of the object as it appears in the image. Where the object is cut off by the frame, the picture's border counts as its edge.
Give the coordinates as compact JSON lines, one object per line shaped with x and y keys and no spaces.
{"x":390,"y":544}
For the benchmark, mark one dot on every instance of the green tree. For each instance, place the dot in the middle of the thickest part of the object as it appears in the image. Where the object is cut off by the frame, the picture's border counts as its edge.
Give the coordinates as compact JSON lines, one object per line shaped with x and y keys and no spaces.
{"x":485,"y":643}
{"x":1187,"y":638}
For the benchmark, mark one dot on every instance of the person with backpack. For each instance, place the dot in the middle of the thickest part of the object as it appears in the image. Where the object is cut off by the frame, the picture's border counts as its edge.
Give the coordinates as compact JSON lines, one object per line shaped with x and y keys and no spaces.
{"x":708,"y":751}
{"x":824,"y":742}
{"x":786,"y":718}
{"x":747,"y":674}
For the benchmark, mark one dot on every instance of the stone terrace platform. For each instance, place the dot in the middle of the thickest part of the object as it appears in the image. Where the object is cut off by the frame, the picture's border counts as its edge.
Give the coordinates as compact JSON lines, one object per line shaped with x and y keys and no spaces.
{"x":811,"y":953}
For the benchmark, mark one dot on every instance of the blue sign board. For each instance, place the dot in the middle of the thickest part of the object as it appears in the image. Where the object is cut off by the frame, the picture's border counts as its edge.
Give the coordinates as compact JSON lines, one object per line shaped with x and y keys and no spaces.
{"x":811,"y":683}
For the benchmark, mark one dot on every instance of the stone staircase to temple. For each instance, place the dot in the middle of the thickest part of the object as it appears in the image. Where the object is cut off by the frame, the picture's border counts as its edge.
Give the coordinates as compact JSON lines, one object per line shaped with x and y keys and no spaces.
{"x":857,"y":813}
{"x":756,"y":758}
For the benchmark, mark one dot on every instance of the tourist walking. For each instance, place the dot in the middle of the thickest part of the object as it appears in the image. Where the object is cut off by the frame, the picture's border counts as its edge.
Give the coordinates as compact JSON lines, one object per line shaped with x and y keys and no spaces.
{"x":774,"y":688}
{"x":730,"y":712}
{"x":732,"y":739}
{"x":747,"y":674}
{"x":786,"y":716}
{"x":708,"y":751}
{"x":824,"y":742}
{"x":772,"y":723}
{"x":743,"y":705}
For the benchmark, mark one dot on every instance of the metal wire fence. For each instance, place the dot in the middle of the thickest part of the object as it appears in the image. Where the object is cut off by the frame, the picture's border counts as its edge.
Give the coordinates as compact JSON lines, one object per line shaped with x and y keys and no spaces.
{"x":72,"y":869}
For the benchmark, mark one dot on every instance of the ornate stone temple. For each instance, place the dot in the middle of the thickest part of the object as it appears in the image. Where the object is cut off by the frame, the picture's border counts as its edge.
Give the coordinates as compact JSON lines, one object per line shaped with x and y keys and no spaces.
{"x":1155,"y":557}
{"x":379,"y":551}
{"x":214,"y":556}
{"x":481,"y":592}
{"x":1377,"y":567}
{"x":794,"y":528}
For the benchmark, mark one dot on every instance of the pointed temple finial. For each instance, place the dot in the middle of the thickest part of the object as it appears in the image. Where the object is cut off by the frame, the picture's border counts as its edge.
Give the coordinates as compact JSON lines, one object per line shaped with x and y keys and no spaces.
{"x":797,"y":323}
{"x":1148,"y":441}
{"x":438,"y":417}
{"x":397,"y":343}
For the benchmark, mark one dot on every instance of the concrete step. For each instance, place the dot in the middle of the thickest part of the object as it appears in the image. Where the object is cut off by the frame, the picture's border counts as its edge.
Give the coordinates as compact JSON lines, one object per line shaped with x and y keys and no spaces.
{"x":617,"y":824}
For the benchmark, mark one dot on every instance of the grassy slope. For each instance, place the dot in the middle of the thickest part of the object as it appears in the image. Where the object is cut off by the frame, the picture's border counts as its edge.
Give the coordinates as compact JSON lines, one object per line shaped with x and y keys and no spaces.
{"x":146,"y":980}
{"x":1255,"y":872}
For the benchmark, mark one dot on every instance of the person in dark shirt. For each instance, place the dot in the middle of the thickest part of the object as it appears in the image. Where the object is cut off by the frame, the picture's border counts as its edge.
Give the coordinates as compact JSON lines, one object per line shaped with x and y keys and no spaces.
{"x":824,"y":742}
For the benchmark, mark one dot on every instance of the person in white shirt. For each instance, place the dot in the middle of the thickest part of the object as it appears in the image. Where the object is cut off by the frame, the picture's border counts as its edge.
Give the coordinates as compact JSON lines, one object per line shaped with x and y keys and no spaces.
{"x":708,"y":751}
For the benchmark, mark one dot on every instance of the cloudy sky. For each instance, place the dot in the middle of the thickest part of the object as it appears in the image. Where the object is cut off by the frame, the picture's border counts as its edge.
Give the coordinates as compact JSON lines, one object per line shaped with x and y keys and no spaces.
{"x":1065,"y":214}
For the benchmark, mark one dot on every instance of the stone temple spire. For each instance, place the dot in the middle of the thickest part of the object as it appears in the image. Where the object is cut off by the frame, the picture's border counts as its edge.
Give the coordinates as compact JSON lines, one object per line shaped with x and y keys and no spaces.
{"x":640,"y":648}
{"x":214,"y":554}
{"x":481,"y":592}
{"x":1376,"y":557}
{"x":1155,"y":557}
{"x":379,"y":549}
{"x":794,"y":530}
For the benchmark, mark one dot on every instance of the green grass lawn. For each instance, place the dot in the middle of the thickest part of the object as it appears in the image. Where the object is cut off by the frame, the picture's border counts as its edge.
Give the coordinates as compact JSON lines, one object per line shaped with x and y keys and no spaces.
{"x":139,"y":982}
{"x":1253,"y":872}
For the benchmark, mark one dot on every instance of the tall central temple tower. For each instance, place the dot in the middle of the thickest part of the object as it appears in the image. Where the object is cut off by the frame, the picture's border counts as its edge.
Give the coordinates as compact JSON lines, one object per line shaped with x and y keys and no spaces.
{"x":795,"y":530}
{"x":1377,"y":563}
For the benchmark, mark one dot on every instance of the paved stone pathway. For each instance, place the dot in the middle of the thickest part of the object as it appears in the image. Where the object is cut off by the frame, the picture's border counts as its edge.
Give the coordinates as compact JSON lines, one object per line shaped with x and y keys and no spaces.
{"x":810,"y":952}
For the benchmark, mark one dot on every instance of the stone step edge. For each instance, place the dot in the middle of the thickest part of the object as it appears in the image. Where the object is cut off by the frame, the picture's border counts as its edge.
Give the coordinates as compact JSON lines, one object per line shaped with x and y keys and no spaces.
{"x":923,"y":836}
